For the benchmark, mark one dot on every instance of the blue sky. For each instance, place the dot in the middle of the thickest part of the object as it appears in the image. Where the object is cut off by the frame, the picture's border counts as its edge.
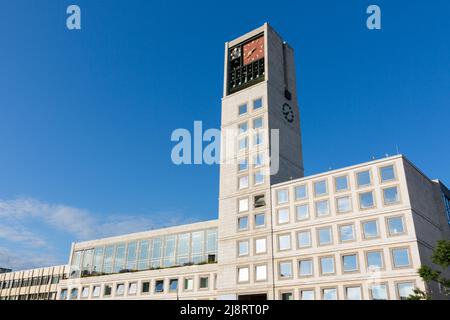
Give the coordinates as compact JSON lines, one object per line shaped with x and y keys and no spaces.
{"x":86,"y":116}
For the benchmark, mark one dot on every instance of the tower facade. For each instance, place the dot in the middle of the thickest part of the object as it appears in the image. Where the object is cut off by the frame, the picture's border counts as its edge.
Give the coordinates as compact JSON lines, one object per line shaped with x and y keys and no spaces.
{"x":261,"y":146}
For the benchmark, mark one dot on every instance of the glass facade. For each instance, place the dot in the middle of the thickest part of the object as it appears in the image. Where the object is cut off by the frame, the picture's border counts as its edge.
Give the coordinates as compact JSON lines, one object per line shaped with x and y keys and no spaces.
{"x":159,"y":252}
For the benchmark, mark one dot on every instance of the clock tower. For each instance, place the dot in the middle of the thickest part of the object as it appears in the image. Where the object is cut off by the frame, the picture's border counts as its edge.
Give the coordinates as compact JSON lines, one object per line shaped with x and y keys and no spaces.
{"x":261,"y":146}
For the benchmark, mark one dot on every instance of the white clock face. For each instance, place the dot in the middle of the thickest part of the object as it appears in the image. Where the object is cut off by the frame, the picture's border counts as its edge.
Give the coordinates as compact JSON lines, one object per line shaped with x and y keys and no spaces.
{"x":288,"y":112}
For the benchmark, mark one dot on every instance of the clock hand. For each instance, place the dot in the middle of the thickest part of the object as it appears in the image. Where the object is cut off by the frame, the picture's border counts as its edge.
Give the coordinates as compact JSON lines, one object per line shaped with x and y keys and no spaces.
{"x":251,"y":52}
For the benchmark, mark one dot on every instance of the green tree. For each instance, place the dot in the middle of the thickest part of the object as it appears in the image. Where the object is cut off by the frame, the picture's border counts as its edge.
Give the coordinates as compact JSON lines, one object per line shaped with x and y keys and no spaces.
{"x":440,"y":257}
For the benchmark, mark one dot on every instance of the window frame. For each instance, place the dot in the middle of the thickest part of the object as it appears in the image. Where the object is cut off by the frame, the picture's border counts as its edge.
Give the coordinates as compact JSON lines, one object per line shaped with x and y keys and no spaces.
{"x":335,"y":184}
{"x":312,"y":267}
{"x":405,"y":231}
{"x":394,"y":169}
{"x":358,"y":186}
{"x":310,"y":238}
{"x":278,"y":242}
{"x":366,"y":257}
{"x":320,"y":265}
{"x":363,"y":235}
{"x":280,"y":278}
{"x":398,"y":201}
{"x":331,"y":236}
{"x":369,"y":287}
{"x":327,"y":200}
{"x":238,"y":248}
{"x":349,"y":201}
{"x":255,"y":245}
{"x":410,"y":263}
{"x":354,"y":286}
{"x":288,"y":216}
{"x":306,"y":204}
{"x":326,"y":188}
{"x":348,"y":254}
{"x":374,"y":201}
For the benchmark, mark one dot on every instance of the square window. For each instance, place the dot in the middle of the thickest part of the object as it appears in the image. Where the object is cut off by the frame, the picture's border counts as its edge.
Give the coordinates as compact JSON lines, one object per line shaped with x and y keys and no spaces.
{"x":243,"y":143}
{"x":243,"y":128}
{"x":302,"y":212}
{"x":260,"y":201}
{"x":363,"y":178}
{"x":243,"y":248}
{"x":374,"y":260}
{"x":243,"y":275}
{"x":378,"y":292}
{"x":366,"y":200}
{"x":132,"y":288}
{"x":257,"y":103}
{"x":322,"y":208}
{"x":320,"y":188}
{"x":327,"y":265}
{"x":300,"y":192}
{"x":260,"y":220}
{"x":395,"y":226}
{"x":243,"y":223}
{"x":307,"y":294}
{"x":243,"y":205}
{"x":243,"y":165}
{"x":146,"y":287}
{"x":283,"y":215}
{"x":304,"y":239}
{"x":350,"y":262}
{"x":346,"y":233}
{"x":258,"y":160}
{"x":325,"y":236}
{"x":257,"y":123}
{"x":285,"y":268}
{"x":204,"y":282}
{"x":284,"y":242}
{"x":159,"y":286}
{"x":282,"y":196}
{"x":344,"y":204}
{"x":353,"y":293}
{"x":305,"y":268}
{"x":74,"y":294}
{"x":390,"y":195}
{"x":260,"y":246}
{"x":259,"y":177}
{"x":405,"y":289}
{"x":243,"y":182}
{"x":63,"y":294}
{"x":387,"y":173}
{"x":400,"y":257}
{"x":258,"y":138}
{"x":85,"y":292}
{"x":341,"y":183}
{"x":370,"y":229}
{"x":188,"y":284}
{"x":96,"y":291}
{"x":329,"y":294}
{"x":287,"y":296}
{"x":242,"y":109}
{"x":120,"y":289}
{"x":261,"y":273}
{"x":173,"y":285}
{"x":107,"y":290}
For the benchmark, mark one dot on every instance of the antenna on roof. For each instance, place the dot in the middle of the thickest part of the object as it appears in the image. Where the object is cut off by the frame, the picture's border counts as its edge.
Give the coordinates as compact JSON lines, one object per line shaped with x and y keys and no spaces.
{"x":396,"y":147}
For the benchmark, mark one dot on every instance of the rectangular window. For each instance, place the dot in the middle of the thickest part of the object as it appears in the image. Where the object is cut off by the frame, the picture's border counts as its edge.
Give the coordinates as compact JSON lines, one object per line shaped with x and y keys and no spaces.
{"x":370,"y":229}
{"x":350,"y":262}
{"x":327,"y":265}
{"x":258,"y":160}
{"x":329,"y":294}
{"x":242,"y":109}
{"x":63,"y":294}
{"x":258,"y":139}
{"x":405,"y":289}
{"x":363,"y":178}
{"x":302,"y":212}
{"x":260,"y":220}
{"x":243,"y":223}
{"x":320,"y":188}
{"x":307,"y":295}
{"x":85,"y":292}
{"x":204,"y":282}
{"x":304,"y":239}
{"x":257,"y":123}
{"x":395,"y":226}
{"x":282,"y":196}
{"x":131,"y":256}
{"x":260,"y":246}
{"x":120,"y":289}
{"x":74,"y":294}
{"x":243,"y":182}
{"x":119,"y":259}
{"x":243,"y":143}
{"x":96,"y":291}
{"x":243,"y":205}
{"x":341,"y":183}
{"x":243,"y":127}
{"x":400,"y":257}
{"x":243,"y":248}
{"x":242,"y":165}
{"x":261,"y":273}
{"x":387,"y":173}
{"x":188,"y":284}
{"x":243,"y":274}
{"x":300,"y":192}
{"x":285,"y":269}
{"x":260,"y":201}
{"x":284,"y":242}
{"x":143,"y":263}
{"x":145,"y":287}
{"x":325,"y":236}
{"x":346,"y":233}
{"x":366,"y":200}
{"x":159,"y":286}
{"x":390,"y":195}
{"x":305,"y":268}
{"x":257,"y":104}
{"x":344,"y":204}
{"x":173,"y":285}
{"x":258,"y":177}
{"x":374,"y":260}
{"x":283,"y":215}
{"x":353,"y":293}
{"x":322,"y":208}
{"x":287,"y":296}
{"x":132,"y":288}
{"x":378,"y":292}
{"x":107,"y":290}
